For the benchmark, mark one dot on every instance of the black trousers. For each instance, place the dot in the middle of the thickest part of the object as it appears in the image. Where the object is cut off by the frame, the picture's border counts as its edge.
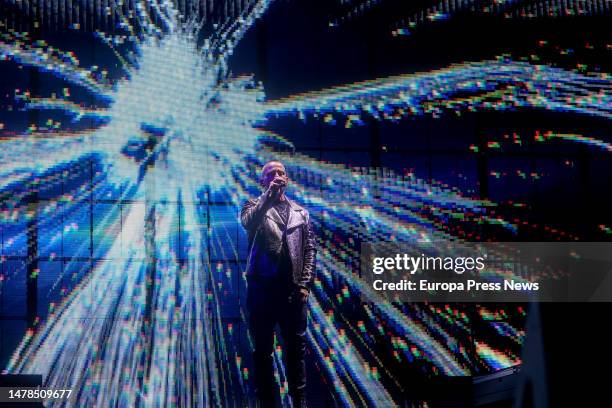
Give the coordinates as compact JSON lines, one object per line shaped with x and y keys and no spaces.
{"x":271,"y":301}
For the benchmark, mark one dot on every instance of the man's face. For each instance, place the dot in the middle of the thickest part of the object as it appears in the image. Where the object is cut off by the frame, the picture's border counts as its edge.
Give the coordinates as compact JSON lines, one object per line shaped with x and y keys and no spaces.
{"x":272,"y":171}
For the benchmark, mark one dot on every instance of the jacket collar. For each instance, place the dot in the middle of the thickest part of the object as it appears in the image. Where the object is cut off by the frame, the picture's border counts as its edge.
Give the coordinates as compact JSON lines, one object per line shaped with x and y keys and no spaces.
{"x":296,"y":216}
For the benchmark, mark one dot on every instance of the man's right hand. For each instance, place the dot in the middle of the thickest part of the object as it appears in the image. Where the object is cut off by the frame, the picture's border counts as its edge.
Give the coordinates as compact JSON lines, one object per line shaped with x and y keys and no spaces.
{"x":273,"y":191}
{"x":270,"y":195}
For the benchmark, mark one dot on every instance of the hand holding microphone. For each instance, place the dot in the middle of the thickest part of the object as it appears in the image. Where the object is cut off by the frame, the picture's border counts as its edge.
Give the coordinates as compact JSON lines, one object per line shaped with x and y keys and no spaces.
{"x":275,"y":188}
{"x":278,"y":186}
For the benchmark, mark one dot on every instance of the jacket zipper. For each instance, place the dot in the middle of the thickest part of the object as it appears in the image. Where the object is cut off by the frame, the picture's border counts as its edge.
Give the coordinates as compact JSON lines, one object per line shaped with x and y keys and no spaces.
{"x":251,"y":250}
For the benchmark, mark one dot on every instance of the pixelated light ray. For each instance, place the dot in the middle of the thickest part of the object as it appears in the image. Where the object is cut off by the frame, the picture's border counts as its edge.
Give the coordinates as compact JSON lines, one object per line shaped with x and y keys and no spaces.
{"x":536,"y":86}
{"x":47,"y":59}
{"x":589,"y":141}
{"x":126,"y":291}
{"x":351,"y":360}
{"x":77,"y":111}
{"x":360,"y":198}
{"x":446,"y":10}
{"x":49,"y":152}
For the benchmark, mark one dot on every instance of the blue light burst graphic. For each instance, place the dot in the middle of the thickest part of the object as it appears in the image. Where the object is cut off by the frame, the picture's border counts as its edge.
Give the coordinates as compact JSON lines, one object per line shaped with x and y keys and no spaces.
{"x":170,"y":130}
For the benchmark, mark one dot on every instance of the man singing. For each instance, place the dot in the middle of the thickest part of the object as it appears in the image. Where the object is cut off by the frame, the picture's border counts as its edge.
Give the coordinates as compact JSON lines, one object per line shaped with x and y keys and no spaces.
{"x":280,"y":271}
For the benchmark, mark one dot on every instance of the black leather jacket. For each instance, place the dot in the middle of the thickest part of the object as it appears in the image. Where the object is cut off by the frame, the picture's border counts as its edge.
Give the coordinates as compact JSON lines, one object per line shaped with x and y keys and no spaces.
{"x":263,"y":225}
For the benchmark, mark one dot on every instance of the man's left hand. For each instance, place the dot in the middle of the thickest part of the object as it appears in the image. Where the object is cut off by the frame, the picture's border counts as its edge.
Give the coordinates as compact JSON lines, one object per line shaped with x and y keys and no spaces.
{"x":304,"y":294}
